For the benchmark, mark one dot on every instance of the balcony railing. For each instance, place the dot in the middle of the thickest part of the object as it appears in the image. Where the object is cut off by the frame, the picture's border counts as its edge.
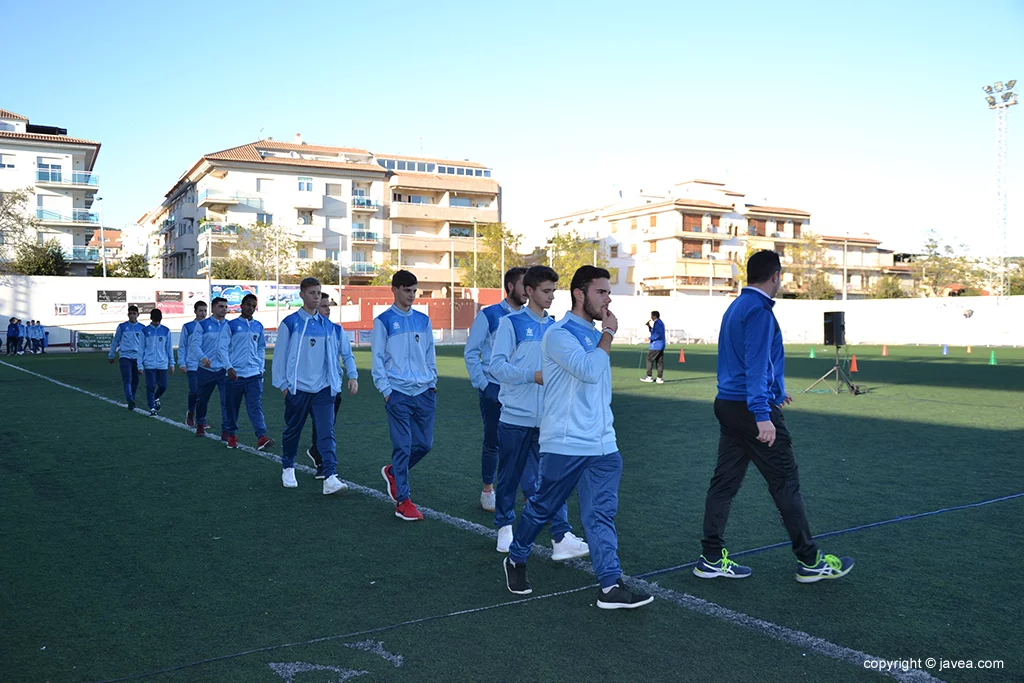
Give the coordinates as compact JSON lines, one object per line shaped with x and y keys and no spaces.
{"x":70,"y":178}
{"x":215,"y":228}
{"x":83,"y":254}
{"x":365,"y":204}
{"x":360,"y":268}
{"x":76,"y":216}
{"x":220,"y":197}
{"x":365,"y":236}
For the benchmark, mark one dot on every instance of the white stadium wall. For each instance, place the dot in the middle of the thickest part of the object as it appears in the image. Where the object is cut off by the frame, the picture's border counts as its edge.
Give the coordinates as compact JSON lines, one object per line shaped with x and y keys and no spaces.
{"x":90,"y":304}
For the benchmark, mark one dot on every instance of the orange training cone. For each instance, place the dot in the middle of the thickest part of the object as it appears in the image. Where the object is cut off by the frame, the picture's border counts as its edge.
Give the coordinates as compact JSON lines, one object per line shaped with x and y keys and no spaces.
{"x":968,"y":348}
{"x":682,"y":356}
{"x":885,"y":351}
{"x":853,"y":364}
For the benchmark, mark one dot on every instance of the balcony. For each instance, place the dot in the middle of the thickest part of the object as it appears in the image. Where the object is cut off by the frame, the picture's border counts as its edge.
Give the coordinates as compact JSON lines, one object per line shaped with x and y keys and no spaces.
{"x":685,"y":267}
{"x":224,"y":232}
{"x":434,"y":243}
{"x":308,"y":200}
{"x":167,"y":225}
{"x":313,"y":234}
{"x":365,"y":204}
{"x":364,"y":236}
{"x":219,"y":198}
{"x":76,"y":217}
{"x":75,"y":179}
{"x":436,"y":212}
{"x":433,"y":272}
{"x":362,"y":268}
{"x":83,"y":254}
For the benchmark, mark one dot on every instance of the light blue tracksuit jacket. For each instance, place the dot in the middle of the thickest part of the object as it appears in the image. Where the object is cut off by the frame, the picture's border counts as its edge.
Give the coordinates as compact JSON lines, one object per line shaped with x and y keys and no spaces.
{"x":348,"y":361}
{"x":209,"y":340}
{"x":128,"y":340}
{"x":402,"y":347}
{"x":480,"y":343}
{"x":247,"y":347}
{"x":577,"y":375}
{"x":515,"y":359}
{"x":306,"y":354}
{"x":184,"y":359}
{"x":157,"y":353}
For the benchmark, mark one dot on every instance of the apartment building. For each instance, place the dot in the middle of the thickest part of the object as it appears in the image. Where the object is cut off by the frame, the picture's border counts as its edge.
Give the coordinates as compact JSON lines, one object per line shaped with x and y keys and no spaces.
{"x":58,"y":170}
{"x":692,"y":239}
{"x":341,"y":204}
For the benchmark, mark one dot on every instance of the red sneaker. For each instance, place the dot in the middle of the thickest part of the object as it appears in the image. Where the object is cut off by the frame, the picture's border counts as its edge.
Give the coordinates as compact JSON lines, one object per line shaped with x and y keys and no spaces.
{"x":264,"y":443}
{"x":407,"y":511}
{"x":190,"y":419}
{"x":232,"y":441}
{"x":392,"y":485}
{"x":201,"y":430}
{"x":223,"y":436}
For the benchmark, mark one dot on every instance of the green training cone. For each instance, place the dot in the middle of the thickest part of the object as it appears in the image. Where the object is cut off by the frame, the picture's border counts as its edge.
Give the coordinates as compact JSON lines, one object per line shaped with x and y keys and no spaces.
{"x":992,"y":358}
{"x":812,"y":352}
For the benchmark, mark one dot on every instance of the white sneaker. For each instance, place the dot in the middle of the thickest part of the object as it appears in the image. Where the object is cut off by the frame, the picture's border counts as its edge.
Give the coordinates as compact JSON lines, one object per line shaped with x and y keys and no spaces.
{"x":647,"y":379}
{"x":569,"y":547}
{"x":505,"y":538}
{"x":659,"y":381}
{"x":487,"y":500}
{"x":332,"y":485}
{"x":288,"y":478}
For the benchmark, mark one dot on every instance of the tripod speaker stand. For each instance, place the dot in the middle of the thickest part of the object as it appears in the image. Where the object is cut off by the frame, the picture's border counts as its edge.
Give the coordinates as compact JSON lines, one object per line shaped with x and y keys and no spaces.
{"x":842,"y":379}
{"x":835,"y":335}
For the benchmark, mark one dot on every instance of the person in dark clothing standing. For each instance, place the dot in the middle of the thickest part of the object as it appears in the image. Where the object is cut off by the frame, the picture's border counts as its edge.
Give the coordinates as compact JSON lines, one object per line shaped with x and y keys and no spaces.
{"x":751,"y":393}
{"x":656,"y":349}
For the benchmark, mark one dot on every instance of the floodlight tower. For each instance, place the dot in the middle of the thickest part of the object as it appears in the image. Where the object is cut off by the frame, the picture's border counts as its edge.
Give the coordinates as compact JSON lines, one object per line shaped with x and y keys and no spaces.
{"x":1000,"y":97}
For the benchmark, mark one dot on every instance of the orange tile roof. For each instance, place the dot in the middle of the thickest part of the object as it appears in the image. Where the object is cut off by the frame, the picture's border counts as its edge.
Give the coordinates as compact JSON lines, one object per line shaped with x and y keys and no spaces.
{"x":842,"y":238}
{"x":445,"y":182}
{"x":753,"y":208}
{"x":302,"y":147}
{"x":47,"y":138}
{"x":250,"y":152}
{"x":4,"y":114}
{"x":701,"y":181}
{"x":454,"y":162}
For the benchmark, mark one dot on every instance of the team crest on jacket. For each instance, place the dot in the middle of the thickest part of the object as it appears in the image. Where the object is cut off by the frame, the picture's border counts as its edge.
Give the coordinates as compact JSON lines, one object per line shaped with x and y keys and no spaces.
{"x":312,"y":342}
{"x":254,"y":337}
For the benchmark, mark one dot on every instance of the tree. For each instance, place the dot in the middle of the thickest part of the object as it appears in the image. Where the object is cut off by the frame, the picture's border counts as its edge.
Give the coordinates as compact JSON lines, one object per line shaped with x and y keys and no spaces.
{"x":325,"y":271}
{"x":818,"y":287}
{"x":942,"y":266}
{"x":135,"y":265}
{"x":1015,"y":281}
{"x":16,"y":223}
{"x":257,"y":246}
{"x":808,"y":259}
{"x":235,"y":267}
{"x":742,"y":265}
{"x":384,"y":273}
{"x":39,"y":259}
{"x":490,"y":238}
{"x":569,"y":251}
{"x":887,"y":287}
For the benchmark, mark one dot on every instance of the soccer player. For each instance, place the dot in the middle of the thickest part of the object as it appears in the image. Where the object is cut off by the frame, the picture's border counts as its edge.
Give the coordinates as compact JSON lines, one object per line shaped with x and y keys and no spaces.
{"x":477,"y":355}
{"x":656,"y":347}
{"x":208,"y":345}
{"x":405,"y":372}
{"x":33,"y":337}
{"x":577,"y":441}
{"x":247,"y":360}
{"x":751,"y":393}
{"x":516,"y":364}
{"x":348,"y":361}
{"x":23,"y":340}
{"x":128,"y":345}
{"x":12,"y":336}
{"x":306,"y":370}
{"x":157,"y":359}
{"x":189,"y":365}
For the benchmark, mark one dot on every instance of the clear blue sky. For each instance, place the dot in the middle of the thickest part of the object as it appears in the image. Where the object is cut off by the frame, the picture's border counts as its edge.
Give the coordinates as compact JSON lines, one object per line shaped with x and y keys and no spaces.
{"x":870,"y":115}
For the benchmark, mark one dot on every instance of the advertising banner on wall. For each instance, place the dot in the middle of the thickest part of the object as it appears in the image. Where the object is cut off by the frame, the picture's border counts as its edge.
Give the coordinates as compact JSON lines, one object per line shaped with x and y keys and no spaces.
{"x":234,"y":293}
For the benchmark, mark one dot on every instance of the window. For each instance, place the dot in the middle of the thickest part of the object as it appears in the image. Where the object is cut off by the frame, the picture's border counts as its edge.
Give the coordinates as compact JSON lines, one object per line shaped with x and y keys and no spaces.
{"x":335,"y":189}
{"x":632,"y":250}
{"x":332,"y":254}
{"x":442,"y":169}
{"x":264,"y":184}
{"x":389,"y":164}
{"x":421,"y":166}
{"x":6,"y":161}
{"x":305,"y":217}
{"x":451,"y":170}
{"x":420,"y":199}
{"x":632,"y":224}
{"x":401,"y":165}
{"x":478,"y":173}
{"x":359,"y":226}
{"x":305,"y":184}
{"x":265,"y":218}
{"x":614,"y":251}
{"x":461,"y":201}
{"x":629,"y":275}
{"x":487,"y":174}
{"x":431,"y":168}
{"x":302,"y":252}
{"x":615,"y":226}
{"x":654,"y":247}
{"x":654,"y":221}
{"x":614,"y":279}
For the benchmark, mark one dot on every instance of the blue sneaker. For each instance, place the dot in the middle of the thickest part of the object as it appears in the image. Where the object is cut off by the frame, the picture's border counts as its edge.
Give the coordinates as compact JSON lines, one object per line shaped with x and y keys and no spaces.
{"x":825,"y":567}
{"x":724,"y":567}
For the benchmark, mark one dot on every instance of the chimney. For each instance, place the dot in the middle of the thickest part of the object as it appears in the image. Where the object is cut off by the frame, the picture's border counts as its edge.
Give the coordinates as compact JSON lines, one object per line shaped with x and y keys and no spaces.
{"x":298,"y":139}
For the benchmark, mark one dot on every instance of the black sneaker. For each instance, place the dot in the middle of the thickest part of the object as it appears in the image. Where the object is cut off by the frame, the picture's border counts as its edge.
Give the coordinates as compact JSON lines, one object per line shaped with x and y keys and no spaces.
{"x":515,"y":577}
{"x":152,"y":411}
{"x":620,"y":597}
{"x":131,"y":405}
{"x":157,"y":404}
{"x":318,"y":461}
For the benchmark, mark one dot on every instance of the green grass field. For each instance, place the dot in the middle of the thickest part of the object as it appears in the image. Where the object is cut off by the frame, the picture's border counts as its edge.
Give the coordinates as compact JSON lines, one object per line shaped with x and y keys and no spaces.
{"x":129,"y":546}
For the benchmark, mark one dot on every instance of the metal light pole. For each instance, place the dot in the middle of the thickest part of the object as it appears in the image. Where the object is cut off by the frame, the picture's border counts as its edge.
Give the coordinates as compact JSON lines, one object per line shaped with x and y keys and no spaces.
{"x":209,"y":266}
{"x":844,"y":269}
{"x":451,"y":263}
{"x":503,"y":254}
{"x":103,"y":237}
{"x":1006,"y":99}
{"x":474,"y":253}
{"x":277,"y":271}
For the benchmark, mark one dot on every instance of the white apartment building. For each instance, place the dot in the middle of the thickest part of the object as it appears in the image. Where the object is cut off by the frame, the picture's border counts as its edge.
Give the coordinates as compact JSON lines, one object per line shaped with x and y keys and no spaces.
{"x":58,"y":169}
{"x":341,"y":204}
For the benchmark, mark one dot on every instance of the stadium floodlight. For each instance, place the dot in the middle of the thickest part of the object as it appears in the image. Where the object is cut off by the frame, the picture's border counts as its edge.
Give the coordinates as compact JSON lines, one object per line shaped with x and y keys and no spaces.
{"x":1009,"y":98}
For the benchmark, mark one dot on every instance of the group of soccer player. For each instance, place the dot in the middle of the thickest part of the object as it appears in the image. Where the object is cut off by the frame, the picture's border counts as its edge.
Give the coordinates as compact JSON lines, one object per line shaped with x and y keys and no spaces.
{"x":25,"y":337}
{"x":545,"y":398}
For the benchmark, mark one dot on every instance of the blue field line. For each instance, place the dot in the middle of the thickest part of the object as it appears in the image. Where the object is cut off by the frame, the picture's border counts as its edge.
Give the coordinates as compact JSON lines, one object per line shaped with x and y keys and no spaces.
{"x":829,"y":534}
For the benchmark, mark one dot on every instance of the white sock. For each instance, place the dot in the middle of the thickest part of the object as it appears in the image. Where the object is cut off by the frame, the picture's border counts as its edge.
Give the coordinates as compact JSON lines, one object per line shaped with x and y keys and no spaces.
{"x":608,"y":589}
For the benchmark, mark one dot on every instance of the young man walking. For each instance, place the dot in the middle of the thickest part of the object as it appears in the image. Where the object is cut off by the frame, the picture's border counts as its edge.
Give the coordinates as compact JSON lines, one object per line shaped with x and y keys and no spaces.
{"x":247,"y":360}
{"x":577,"y":441}
{"x":751,"y":393}
{"x":157,"y":359}
{"x":187,"y":364}
{"x":306,"y":371}
{"x":477,"y":355}
{"x":348,"y":362}
{"x":405,"y":373}
{"x":516,"y":364}
{"x":12,"y":337}
{"x":128,"y":345}
{"x":656,"y":348}
{"x":209,"y":346}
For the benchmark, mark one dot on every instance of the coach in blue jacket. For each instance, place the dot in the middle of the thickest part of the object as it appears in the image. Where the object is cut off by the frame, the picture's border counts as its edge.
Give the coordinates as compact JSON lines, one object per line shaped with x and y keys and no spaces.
{"x":656,"y":348}
{"x":751,"y":393}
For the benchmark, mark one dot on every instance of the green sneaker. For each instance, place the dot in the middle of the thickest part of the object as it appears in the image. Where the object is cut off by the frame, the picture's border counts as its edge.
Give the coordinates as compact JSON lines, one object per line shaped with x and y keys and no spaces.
{"x":825,"y":567}
{"x":724,"y":567}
